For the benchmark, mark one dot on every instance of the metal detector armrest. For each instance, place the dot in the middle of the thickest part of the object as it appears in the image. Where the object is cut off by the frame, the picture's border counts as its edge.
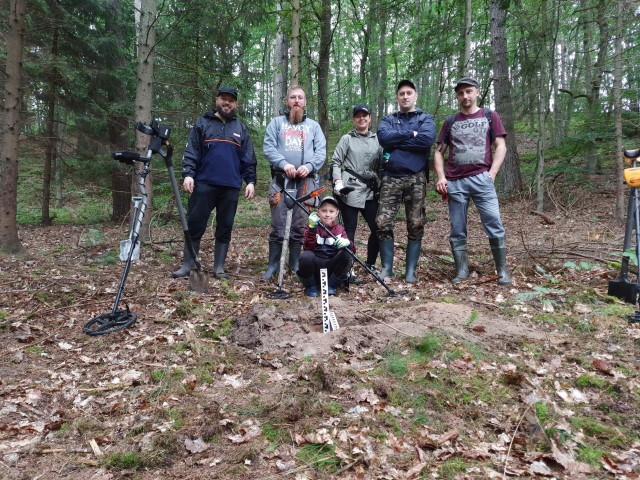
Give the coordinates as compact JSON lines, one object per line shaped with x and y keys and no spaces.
{"x":126,"y":157}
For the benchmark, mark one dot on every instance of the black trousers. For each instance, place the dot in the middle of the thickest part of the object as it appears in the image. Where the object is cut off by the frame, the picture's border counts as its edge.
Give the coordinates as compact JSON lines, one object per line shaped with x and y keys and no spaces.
{"x":204,"y":199}
{"x":350,"y":222}
{"x":310,"y":264}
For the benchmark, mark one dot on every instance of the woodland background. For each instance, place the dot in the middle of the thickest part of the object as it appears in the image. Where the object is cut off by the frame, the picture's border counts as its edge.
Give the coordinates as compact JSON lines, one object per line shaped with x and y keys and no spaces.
{"x":468,"y":382}
{"x":79,"y":74}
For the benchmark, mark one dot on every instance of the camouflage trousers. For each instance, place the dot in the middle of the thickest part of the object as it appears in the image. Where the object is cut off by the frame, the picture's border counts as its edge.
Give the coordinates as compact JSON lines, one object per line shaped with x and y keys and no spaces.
{"x":410,"y":190}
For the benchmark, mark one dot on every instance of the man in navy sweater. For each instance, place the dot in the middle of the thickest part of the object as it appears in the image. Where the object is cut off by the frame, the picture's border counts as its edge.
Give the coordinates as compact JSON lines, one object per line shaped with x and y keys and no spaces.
{"x":219,"y":155}
{"x":406,"y":136}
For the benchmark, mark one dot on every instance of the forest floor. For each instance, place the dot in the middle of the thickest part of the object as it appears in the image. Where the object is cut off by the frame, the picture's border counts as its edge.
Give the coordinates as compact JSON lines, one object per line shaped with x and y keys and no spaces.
{"x":537,"y":380}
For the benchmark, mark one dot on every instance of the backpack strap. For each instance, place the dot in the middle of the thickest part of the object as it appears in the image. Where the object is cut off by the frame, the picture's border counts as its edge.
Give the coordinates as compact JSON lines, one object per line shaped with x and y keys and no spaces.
{"x":487,"y":113}
{"x":448,"y":123}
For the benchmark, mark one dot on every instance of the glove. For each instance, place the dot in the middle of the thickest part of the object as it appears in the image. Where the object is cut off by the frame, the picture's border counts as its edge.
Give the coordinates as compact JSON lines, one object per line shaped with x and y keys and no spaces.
{"x":342,"y":242}
{"x":340,"y":189}
{"x":314,"y":219}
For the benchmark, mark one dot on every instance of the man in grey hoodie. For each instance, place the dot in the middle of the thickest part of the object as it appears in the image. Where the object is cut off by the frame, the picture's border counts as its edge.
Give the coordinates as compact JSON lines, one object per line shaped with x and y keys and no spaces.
{"x":296,"y":149}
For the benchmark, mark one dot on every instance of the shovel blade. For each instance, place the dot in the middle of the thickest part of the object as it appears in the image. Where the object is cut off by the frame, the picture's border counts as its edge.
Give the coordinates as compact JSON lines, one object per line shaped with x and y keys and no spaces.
{"x":624,"y":290}
{"x":125,"y":248}
{"x":198,"y":281}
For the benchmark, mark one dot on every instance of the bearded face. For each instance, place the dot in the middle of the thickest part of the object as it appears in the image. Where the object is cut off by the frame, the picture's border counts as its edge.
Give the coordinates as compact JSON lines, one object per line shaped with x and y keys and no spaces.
{"x":296,"y":101}
{"x":226,"y":106}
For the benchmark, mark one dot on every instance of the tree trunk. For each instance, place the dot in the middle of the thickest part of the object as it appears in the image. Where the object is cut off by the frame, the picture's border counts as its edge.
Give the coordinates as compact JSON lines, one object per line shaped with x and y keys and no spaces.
{"x":144,"y":99}
{"x":466,"y":54}
{"x":9,"y":241}
{"x":323,"y":66}
{"x":280,"y":68}
{"x":540,"y":147}
{"x":117,"y":126}
{"x":510,"y":178}
{"x":617,"y":102}
{"x":594,"y":82}
{"x":295,"y":43}
{"x":51,"y":138}
{"x":381,"y":97}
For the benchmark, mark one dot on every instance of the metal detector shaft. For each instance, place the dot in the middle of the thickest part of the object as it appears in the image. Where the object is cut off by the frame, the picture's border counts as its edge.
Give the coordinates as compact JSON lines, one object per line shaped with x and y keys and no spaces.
{"x":135,"y":236}
{"x":353,"y":255}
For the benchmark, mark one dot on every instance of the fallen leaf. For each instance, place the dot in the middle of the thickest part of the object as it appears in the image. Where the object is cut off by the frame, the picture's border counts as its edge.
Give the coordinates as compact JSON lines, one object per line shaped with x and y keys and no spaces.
{"x":196,"y":446}
{"x":602,"y":366}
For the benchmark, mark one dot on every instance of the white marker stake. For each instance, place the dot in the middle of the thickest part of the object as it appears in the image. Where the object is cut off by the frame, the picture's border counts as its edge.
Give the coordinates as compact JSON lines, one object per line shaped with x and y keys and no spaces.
{"x":329,"y":321}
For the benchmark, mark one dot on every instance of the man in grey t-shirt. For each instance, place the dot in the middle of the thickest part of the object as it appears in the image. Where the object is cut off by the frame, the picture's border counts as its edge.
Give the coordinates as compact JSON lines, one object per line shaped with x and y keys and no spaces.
{"x":471,"y":170}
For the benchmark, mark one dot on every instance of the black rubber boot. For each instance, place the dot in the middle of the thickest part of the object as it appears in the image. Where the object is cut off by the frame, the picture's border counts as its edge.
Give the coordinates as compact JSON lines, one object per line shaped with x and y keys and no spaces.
{"x":294,"y":255}
{"x":335,"y":282}
{"x":187,"y":261}
{"x":461,"y":258}
{"x":275,"y":249}
{"x":310,"y":286}
{"x":499,"y":250}
{"x":413,"y":255}
{"x":386,"y":258}
{"x":219,"y":257}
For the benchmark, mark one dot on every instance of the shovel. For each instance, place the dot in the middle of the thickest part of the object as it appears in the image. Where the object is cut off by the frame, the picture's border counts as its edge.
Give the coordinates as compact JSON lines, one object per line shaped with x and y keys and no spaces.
{"x":126,"y":245}
{"x":198,"y":278}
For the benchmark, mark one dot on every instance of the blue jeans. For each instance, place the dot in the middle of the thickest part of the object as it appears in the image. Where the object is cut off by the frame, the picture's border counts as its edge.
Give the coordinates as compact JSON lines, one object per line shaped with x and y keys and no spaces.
{"x":481,"y":190}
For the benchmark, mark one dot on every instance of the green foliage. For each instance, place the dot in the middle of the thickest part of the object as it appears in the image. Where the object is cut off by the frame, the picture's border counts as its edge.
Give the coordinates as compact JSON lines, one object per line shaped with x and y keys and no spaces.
{"x":125,"y":461}
{"x":591,"y":456}
{"x":542,"y":412}
{"x":538,"y":292}
{"x":222,"y":329}
{"x":591,"y":381}
{"x":320,"y":457}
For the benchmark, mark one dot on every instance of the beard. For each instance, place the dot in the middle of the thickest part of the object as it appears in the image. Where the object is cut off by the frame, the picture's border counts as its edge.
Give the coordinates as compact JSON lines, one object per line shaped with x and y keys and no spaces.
{"x":296,"y":114}
{"x":227,"y":115}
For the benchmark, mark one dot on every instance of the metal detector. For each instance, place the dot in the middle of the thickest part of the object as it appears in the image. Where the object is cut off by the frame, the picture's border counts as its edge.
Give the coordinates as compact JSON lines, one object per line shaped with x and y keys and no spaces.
{"x":291,"y":201}
{"x":390,"y":291}
{"x":119,"y":319}
{"x":620,"y":287}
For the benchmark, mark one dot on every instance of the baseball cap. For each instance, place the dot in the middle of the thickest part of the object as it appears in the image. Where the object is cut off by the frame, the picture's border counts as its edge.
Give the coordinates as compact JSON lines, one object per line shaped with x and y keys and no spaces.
{"x":330,"y":199}
{"x":409,"y":83}
{"x":229,"y":91}
{"x":466,"y":81}
{"x":361,"y":107}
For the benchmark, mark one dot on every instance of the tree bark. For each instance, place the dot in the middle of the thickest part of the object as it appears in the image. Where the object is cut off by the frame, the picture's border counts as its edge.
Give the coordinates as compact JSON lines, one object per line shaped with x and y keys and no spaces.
{"x":617,"y":103}
{"x":280,"y":68}
{"x":466,"y":53}
{"x":117,"y":126}
{"x":510,"y":179}
{"x":9,"y":240}
{"x":144,"y":99}
{"x":295,"y":43}
{"x":323,"y":66}
{"x":51,"y":138}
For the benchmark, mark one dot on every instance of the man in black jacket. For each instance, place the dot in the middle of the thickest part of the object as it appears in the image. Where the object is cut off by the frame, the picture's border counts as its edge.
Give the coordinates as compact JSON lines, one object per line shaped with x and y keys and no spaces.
{"x":219,"y":155}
